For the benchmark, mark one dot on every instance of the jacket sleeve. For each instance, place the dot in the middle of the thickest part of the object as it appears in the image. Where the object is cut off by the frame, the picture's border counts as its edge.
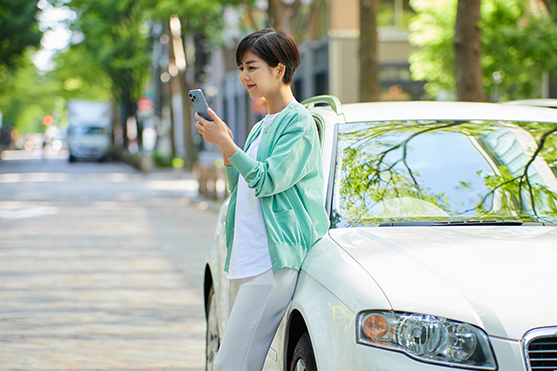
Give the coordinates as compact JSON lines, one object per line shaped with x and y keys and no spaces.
{"x":231,"y":176}
{"x":286,"y":165}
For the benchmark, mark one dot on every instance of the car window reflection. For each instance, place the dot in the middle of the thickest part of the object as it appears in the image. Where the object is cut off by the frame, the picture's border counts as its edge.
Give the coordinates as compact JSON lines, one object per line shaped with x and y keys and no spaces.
{"x":443,"y":171}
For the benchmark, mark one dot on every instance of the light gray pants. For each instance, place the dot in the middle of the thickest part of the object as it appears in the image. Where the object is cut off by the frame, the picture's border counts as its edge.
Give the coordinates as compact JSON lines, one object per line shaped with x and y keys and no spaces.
{"x":258,"y":305}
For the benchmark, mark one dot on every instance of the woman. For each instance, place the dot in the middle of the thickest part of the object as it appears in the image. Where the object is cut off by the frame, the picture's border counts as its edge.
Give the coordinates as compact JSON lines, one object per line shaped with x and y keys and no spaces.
{"x":276,"y":208}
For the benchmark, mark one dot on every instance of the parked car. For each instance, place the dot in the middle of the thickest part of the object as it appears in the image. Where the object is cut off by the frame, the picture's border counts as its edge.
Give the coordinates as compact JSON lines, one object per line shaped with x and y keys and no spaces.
{"x":442,"y":251}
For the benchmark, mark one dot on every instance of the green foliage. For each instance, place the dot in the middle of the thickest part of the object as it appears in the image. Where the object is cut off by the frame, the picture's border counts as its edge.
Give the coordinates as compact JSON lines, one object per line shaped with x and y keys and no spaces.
{"x":517,"y":47}
{"x":386,"y":13}
{"x":198,"y":13}
{"x":546,"y":139}
{"x":79,"y":76}
{"x":114,"y":35}
{"x":520,"y":193}
{"x":18,"y":30}
{"x":26,"y":96}
{"x":162,"y":161}
{"x":196,"y":16}
{"x":432,"y":33}
{"x":112,"y":61}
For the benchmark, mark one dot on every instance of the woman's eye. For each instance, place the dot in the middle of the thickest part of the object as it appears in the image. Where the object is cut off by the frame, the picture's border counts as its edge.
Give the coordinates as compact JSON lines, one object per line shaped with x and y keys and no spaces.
{"x":251,"y":68}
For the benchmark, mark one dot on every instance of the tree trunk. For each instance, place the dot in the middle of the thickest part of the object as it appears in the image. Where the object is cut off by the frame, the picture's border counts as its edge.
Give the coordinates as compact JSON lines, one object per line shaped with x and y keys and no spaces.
{"x":249,"y":12}
{"x":128,"y":112}
{"x":169,"y":89}
{"x":170,"y":93}
{"x":467,"y":43}
{"x":369,"y":68}
{"x":551,"y":6}
{"x":277,"y":14}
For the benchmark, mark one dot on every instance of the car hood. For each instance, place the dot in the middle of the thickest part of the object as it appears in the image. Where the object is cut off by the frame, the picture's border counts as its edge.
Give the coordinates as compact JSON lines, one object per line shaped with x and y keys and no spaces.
{"x":501,"y":278}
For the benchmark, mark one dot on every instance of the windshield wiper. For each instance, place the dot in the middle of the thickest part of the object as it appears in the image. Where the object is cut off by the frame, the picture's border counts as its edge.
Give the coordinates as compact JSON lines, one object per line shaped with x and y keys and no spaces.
{"x":453,"y":223}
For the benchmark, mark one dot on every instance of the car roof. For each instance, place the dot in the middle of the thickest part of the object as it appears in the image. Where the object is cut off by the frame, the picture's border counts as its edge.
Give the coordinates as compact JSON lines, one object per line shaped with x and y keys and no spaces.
{"x":544,"y":102}
{"x":426,"y":110}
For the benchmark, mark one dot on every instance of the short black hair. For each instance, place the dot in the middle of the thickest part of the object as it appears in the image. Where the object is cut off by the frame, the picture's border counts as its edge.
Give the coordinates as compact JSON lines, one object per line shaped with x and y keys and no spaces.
{"x":274,"y":47}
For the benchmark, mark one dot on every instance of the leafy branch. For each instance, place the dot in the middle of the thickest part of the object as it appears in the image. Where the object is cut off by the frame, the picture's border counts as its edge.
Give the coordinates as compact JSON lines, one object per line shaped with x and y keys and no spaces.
{"x":524,"y":176}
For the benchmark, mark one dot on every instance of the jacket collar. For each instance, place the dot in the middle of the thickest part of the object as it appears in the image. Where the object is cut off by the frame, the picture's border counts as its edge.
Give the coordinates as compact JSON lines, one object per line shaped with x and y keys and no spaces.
{"x":257,"y":127}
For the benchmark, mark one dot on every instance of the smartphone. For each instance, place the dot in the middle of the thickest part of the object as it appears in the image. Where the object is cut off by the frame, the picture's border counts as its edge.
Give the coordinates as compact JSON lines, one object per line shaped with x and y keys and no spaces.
{"x":200,"y":103}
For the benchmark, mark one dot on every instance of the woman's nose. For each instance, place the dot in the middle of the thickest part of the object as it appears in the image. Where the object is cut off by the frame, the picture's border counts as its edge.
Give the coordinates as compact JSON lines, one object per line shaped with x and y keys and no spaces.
{"x":244,"y":75}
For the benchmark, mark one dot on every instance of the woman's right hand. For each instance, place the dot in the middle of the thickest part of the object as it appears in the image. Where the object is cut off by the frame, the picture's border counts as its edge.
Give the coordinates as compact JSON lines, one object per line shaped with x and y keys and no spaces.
{"x":217,"y":132}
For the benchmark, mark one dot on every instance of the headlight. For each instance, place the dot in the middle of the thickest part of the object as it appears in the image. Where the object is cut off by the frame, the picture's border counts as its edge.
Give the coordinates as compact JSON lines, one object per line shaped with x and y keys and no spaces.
{"x":427,"y":338}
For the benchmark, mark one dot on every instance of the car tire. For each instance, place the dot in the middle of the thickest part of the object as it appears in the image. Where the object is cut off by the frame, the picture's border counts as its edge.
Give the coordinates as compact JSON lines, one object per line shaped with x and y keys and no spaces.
{"x":303,"y":358}
{"x":212,"y":339}
{"x":71,"y":158}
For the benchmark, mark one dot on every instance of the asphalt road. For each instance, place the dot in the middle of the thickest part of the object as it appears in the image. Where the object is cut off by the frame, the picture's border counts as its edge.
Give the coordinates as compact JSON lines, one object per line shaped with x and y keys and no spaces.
{"x":100,"y":266}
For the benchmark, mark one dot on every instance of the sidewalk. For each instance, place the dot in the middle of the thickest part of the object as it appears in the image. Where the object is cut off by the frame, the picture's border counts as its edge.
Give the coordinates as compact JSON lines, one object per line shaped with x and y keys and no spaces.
{"x":188,"y":180}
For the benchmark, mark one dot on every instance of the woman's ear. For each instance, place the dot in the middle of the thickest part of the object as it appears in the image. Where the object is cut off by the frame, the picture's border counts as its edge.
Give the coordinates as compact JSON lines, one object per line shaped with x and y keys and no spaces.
{"x":281,"y":69}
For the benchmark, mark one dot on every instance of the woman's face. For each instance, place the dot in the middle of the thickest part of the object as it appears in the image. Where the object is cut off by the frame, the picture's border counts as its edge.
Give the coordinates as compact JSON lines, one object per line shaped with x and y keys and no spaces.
{"x":260,"y":79}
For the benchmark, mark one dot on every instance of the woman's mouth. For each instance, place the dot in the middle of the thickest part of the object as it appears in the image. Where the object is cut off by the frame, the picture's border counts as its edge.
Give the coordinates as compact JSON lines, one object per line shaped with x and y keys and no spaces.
{"x":249,"y":86}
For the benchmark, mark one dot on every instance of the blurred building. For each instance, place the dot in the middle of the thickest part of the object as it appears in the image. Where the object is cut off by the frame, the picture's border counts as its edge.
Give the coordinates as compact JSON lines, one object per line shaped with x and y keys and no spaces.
{"x":329,"y":63}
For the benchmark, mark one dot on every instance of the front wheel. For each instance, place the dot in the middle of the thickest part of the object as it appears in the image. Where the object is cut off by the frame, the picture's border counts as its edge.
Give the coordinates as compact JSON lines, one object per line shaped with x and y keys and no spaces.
{"x":212,"y":341}
{"x":303,"y":358}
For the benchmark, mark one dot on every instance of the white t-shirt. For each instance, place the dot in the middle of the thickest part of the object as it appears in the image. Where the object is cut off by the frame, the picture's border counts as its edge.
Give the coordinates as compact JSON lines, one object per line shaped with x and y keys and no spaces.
{"x":250,"y":249}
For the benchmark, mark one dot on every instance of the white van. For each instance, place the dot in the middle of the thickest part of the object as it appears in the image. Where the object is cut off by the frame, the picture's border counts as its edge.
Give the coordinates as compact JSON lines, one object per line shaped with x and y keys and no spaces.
{"x":89,"y":130}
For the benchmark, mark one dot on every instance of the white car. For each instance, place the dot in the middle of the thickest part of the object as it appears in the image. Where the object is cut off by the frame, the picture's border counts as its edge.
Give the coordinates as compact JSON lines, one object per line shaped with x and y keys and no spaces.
{"x":442,"y":251}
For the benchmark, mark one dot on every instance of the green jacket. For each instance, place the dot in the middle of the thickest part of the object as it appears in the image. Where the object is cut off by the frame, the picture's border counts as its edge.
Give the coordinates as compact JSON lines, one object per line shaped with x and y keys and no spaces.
{"x":287,"y":176}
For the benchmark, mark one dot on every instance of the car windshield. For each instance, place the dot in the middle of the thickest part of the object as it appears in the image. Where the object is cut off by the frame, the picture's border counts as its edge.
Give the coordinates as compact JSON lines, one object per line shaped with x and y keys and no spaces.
{"x":445,"y":173}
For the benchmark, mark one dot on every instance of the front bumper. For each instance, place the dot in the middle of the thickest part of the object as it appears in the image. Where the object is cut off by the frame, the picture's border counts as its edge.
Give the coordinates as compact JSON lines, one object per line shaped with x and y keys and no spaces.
{"x":508,"y":354}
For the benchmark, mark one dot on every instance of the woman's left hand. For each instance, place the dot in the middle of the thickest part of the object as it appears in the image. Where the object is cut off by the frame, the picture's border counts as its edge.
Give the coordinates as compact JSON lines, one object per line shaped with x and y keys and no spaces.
{"x":216,"y":131}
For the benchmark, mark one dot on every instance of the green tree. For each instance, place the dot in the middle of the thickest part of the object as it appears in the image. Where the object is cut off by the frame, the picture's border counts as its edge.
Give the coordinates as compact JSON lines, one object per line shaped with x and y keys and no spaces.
{"x":517,"y":47}
{"x":115,"y":34}
{"x":520,"y":49}
{"x":19,"y":30}
{"x":26,"y":96}
{"x":79,"y":76}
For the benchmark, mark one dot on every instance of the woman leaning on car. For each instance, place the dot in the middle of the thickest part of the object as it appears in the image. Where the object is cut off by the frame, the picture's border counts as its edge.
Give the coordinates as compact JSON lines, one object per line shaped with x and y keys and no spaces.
{"x":276,"y":210}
